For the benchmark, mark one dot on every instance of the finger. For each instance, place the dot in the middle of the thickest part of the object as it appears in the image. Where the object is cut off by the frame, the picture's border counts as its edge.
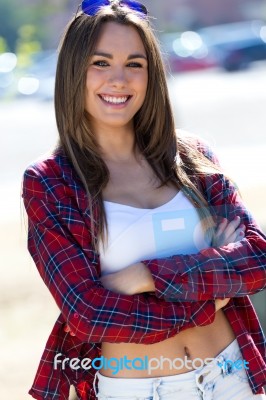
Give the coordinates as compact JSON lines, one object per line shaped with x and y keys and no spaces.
{"x":66,"y":328}
{"x":240,"y":236}
{"x":225,"y":301}
{"x":72,"y":333}
{"x":221,"y":227}
{"x":220,"y":303}
{"x":231,"y":227}
{"x":237,"y":235}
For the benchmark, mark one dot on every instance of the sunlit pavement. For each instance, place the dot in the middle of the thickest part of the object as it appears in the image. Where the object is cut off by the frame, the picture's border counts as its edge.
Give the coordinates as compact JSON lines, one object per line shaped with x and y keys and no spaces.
{"x":226,"y":109}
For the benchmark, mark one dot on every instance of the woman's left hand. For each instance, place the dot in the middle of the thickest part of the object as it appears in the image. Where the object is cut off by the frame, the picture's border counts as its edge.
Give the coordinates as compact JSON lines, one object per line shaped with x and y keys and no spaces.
{"x":131,"y":280}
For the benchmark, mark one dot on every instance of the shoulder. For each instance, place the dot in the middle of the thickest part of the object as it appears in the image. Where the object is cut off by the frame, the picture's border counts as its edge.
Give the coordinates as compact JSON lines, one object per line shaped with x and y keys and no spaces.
{"x":202,"y":164}
{"x":48,"y":165}
{"x":191,"y":142}
{"x":51,"y":177}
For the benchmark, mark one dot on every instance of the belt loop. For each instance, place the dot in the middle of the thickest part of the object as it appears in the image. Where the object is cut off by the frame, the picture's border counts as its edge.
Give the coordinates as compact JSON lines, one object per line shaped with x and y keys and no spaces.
{"x":94,"y":382}
{"x":156,"y":383}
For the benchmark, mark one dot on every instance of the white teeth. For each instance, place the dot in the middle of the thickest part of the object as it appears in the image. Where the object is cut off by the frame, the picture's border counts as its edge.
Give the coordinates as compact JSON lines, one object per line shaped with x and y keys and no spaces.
{"x":115,"y":100}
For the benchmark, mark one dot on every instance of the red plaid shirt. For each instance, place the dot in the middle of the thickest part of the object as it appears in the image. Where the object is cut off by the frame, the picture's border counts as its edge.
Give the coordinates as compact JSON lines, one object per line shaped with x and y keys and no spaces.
{"x":60,"y":243}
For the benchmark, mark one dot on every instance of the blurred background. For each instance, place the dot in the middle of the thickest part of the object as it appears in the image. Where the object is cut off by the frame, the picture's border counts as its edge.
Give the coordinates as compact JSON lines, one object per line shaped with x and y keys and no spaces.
{"x":215,"y":55}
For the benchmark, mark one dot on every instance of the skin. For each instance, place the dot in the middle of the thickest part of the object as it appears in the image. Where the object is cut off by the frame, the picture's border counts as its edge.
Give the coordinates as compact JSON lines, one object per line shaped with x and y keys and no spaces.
{"x":118,"y":69}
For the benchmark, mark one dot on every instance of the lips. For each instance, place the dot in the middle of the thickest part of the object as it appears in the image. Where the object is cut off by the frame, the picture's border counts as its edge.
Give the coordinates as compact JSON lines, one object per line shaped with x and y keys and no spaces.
{"x":115,"y":99}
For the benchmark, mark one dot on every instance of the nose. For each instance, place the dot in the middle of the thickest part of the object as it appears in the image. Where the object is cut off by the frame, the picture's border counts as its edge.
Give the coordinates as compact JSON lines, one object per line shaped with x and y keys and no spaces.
{"x":118,"y":77}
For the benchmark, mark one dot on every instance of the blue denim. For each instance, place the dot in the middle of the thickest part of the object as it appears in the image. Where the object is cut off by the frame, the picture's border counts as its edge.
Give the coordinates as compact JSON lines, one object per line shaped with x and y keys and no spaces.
{"x":216,"y":380}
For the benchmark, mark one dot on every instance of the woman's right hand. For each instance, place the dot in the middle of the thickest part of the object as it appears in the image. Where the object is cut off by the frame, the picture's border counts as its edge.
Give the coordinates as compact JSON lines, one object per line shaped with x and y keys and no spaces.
{"x":227,"y":232}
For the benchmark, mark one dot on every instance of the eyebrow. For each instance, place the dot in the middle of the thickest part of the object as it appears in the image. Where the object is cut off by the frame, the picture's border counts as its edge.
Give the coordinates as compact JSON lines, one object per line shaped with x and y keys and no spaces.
{"x":110,"y":56}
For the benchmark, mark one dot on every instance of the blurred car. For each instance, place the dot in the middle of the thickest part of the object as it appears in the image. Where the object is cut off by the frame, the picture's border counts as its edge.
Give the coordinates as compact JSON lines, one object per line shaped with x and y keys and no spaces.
{"x":186,"y":51}
{"x":231,"y":46}
{"x":39,"y":79}
{"x":236,"y":45}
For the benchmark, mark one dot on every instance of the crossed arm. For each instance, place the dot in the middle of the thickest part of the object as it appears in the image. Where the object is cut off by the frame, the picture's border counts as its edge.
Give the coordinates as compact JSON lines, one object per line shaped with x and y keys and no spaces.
{"x":137,"y":278}
{"x":59,"y":242}
{"x":234,"y":268}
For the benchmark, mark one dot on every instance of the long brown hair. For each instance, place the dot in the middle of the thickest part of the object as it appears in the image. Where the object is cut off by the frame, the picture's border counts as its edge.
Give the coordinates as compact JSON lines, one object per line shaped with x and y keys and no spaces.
{"x":154,"y":126}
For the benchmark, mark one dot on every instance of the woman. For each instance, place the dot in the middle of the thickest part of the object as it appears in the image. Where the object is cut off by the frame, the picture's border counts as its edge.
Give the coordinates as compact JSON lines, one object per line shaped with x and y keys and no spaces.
{"x":124,"y":187}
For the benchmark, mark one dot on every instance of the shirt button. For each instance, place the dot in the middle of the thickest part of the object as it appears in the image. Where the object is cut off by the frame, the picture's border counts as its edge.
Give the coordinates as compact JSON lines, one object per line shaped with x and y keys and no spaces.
{"x":76,"y":315}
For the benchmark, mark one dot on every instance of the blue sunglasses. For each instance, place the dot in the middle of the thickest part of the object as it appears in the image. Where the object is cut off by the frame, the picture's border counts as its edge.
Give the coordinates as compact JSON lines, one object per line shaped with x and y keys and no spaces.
{"x":91,"y":7}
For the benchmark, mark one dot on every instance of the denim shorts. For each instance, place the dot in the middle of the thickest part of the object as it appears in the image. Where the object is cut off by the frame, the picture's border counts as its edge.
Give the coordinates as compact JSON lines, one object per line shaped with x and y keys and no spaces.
{"x":216,"y":380}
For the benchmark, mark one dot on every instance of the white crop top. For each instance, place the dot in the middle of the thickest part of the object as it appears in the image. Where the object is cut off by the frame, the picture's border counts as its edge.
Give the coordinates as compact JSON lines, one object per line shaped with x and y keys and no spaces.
{"x":136,"y":234}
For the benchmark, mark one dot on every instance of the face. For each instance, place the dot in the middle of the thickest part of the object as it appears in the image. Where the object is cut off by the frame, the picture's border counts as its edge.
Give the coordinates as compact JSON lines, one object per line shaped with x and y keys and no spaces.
{"x":117,"y":77}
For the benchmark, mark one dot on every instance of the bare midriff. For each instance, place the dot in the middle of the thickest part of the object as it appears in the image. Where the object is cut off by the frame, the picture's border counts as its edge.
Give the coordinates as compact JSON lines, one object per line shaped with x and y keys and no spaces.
{"x":191,"y":344}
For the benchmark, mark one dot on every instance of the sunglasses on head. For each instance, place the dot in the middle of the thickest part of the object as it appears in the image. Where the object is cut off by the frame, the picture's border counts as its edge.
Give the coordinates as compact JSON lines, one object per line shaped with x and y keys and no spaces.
{"x":91,"y":7}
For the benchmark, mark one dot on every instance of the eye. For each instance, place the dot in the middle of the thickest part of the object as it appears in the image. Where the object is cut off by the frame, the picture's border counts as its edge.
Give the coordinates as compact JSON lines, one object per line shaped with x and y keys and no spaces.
{"x":135,"y":64}
{"x":100,"y":63}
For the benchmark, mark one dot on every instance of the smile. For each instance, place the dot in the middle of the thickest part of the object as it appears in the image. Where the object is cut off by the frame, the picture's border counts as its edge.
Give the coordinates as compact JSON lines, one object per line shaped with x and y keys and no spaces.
{"x":115,"y":100}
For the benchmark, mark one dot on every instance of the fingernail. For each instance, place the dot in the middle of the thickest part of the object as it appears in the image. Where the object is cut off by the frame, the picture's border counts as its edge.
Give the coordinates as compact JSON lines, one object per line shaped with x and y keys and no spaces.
{"x":72,"y":334}
{"x":66,"y":329}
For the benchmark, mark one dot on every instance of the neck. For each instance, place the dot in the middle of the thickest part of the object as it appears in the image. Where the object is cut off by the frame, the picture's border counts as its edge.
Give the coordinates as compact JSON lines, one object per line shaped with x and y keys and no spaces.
{"x":116,"y":144}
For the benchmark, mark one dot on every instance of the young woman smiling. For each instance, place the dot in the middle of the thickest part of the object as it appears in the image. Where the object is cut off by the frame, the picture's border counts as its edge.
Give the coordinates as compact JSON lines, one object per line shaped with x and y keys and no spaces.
{"x":144,"y":244}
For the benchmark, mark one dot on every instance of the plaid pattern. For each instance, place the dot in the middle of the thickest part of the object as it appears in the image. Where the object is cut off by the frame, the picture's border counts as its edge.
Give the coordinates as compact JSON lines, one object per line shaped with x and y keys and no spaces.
{"x":60,"y":243}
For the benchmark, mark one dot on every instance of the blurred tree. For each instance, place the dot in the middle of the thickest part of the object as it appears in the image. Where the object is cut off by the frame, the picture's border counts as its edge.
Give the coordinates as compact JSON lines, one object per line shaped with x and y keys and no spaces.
{"x":3,"y":45}
{"x":27,"y":45}
{"x":37,"y":13}
{"x":8,"y":23}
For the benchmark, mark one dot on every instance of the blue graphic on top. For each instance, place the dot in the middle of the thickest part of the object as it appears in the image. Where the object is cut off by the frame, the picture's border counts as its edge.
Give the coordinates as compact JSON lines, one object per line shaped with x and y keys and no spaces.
{"x":175,"y":232}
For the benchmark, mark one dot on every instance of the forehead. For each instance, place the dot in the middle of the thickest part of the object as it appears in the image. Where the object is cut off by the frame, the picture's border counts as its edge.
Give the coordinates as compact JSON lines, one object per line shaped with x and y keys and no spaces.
{"x":119,"y":37}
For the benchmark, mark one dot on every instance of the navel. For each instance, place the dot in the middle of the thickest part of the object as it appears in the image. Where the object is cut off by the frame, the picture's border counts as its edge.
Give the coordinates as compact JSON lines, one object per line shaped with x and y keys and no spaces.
{"x":187,"y":353}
